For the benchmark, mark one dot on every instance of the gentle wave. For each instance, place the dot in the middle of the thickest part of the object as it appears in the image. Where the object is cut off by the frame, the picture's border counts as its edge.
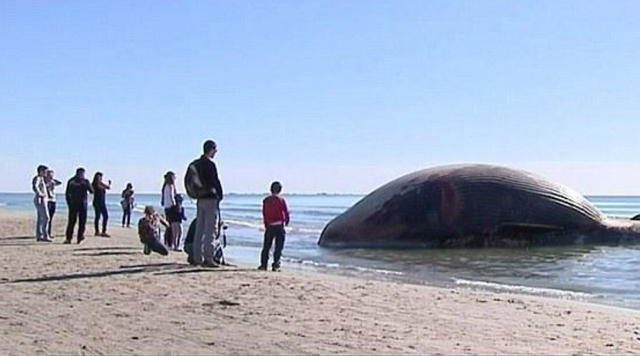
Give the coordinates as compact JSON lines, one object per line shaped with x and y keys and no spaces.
{"x":342,"y":267}
{"x":260,"y":227}
{"x":521,"y":289}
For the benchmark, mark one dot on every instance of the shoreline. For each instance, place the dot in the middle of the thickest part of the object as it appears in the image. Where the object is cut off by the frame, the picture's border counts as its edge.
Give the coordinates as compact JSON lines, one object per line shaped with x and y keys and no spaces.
{"x":366,"y":273}
{"x":105,"y":297}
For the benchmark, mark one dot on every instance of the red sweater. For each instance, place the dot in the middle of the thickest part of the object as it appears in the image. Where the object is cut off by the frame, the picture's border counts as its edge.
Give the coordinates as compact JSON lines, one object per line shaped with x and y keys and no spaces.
{"x":274,"y":211}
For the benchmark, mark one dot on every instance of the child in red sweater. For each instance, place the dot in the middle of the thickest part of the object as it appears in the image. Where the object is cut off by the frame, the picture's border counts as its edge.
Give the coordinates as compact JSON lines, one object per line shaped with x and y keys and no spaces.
{"x":276,"y":217}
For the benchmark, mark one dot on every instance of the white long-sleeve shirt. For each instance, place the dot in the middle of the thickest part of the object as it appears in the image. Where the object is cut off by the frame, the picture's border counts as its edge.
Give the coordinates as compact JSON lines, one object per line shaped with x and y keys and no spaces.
{"x":40,"y":189}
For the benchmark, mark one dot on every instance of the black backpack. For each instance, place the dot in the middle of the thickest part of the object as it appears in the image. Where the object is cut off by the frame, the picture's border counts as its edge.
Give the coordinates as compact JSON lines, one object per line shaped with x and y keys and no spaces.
{"x":192,"y":182}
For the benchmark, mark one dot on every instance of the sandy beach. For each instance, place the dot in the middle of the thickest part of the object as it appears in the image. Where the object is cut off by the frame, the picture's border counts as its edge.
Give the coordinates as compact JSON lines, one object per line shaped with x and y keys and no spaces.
{"x":106,"y":297}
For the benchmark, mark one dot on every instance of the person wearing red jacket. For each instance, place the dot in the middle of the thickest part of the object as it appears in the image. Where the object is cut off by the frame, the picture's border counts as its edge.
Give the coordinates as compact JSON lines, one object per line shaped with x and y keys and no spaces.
{"x":276,"y":217}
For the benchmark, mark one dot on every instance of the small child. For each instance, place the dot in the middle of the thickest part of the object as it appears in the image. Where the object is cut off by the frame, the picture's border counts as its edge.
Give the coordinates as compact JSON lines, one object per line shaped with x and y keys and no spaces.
{"x":149,"y":231}
{"x":276,"y":217}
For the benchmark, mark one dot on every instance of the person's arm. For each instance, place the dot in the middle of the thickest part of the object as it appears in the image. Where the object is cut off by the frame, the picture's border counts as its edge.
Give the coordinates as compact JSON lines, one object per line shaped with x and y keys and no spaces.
{"x":216,"y":182}
{"x":67,"y":193}
{"x":105,"y":186}
{"x":264,"y":212}
{"x":56,"y":182}
{"x":34,"y":186}
{"x":286,"y":212}
{"x":89,"y":187}
{"x":38,"y":186}
{"x":162,"y":220}
{"x":174,"y":191}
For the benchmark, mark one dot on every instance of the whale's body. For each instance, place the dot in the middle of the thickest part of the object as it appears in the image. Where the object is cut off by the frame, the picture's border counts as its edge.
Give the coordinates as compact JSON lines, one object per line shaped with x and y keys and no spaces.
{"x":473,"y":206}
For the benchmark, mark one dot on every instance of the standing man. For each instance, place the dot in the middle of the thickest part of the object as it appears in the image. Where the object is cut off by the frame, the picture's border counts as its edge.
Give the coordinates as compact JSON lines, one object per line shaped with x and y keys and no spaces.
{"x":40,"y":201}
{"x":51,"y":183}
{"x":78,"y":188}
{"x":208,"y":205}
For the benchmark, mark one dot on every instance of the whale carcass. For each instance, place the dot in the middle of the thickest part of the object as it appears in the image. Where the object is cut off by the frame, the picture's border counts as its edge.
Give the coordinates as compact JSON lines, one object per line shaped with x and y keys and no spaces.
{"x":474,"y":206}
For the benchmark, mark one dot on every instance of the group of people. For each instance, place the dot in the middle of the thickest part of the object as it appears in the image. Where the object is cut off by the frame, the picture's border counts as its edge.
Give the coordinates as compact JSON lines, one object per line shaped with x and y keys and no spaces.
{"x":202,"y":243}
{"x":76,"y":195}
{"x":44,"y":185}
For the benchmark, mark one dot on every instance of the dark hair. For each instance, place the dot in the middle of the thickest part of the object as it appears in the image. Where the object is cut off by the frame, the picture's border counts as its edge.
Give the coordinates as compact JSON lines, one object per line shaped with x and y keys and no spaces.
{"x":166,"y":178}
{"x":42,"y":168}
{"x":276,"y":187}
{"x":95,"y":178}
{"x":129,"y":187}
{"x":80,"y":170}
{"x":208,"y":146}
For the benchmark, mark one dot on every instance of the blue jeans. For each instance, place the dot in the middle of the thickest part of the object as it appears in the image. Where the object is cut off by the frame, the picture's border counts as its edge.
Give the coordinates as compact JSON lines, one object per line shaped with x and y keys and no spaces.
{"x":42,"y":220}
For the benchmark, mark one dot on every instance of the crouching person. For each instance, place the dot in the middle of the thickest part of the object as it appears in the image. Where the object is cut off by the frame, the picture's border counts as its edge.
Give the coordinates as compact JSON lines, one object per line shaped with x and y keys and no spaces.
{"x":149,"y":231}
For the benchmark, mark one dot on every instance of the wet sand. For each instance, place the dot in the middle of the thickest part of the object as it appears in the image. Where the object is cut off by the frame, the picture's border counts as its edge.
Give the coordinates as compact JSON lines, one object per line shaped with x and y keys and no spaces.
{"x":105,"y":297}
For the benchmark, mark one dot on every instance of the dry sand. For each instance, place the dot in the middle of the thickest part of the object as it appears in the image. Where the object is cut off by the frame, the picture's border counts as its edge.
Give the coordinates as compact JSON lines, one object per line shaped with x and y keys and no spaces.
{"x":105,"y":297}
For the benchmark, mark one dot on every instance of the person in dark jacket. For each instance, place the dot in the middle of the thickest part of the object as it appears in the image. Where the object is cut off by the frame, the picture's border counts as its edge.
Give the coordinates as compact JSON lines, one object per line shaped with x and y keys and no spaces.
{"x":100,"y":204}
{"x":207,"y":207}
{"x":76,"y":195}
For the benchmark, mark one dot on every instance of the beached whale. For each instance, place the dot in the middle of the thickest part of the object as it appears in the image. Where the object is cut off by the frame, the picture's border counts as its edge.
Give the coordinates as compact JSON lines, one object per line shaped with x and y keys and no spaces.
{"x":474,"y":206}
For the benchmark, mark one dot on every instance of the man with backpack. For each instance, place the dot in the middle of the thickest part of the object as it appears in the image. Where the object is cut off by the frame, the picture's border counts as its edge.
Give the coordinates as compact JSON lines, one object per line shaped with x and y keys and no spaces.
{"x":202,"y":183}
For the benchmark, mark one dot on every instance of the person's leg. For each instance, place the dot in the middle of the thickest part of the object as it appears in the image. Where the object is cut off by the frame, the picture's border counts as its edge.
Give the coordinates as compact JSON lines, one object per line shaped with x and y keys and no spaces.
{"x":179,"y":236}
{"x":52,"y":211}
{"x":277,"y":252}
{"x":176,"y":228}
{"x":168,"y":235}
{"x":124,"y":215}
{"x":156,"y":246}
{"x":210,"y":223}
{"x":196,"y":251}
{"x":105,"y":218}
{"x":38,"y":219}
{"x":96,"y":219}
{"x":73,"y":216}
{"x":43,"y":221}
{"x":266,"y":247}
{"x":82,"y":217}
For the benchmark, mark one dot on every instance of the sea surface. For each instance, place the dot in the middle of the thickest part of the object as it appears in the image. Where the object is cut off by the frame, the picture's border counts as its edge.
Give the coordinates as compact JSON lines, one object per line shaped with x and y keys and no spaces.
{"x":604,"y":274}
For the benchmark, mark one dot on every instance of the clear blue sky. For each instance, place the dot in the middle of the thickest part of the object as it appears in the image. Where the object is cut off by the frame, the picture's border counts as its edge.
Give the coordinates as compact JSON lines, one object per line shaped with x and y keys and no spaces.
{"x":336,"y":96}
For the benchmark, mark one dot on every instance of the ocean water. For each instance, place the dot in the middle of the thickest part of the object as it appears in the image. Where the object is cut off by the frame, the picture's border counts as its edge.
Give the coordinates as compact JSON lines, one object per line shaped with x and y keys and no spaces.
{"x":605,"y":274}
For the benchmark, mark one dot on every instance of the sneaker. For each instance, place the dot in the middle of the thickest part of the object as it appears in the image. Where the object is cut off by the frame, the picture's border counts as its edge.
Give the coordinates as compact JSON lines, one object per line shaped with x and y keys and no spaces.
{"x":262,"y":268}
{"x":45,"y":239}
{"x":66,"y":242}
{"x":147,"y":249}
{"x":104,"y":234}
{"x":80,"y":239}
{"x":275,"y":268}
{"x":210,"y":264}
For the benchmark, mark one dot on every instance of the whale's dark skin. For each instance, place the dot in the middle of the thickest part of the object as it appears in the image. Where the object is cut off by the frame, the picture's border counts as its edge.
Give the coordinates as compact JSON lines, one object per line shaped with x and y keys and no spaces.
{"x":474,"y":206}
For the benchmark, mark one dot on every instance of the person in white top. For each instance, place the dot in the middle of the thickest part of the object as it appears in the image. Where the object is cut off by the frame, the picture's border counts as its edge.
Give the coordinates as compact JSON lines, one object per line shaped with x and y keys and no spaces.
{"x":169,"y":193}
{"x":40,"y":200}
{"x":51,"y":183}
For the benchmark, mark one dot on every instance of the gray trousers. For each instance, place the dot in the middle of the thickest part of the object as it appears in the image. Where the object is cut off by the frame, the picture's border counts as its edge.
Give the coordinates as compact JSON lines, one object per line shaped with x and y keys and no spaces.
{"x":204,"y":238}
